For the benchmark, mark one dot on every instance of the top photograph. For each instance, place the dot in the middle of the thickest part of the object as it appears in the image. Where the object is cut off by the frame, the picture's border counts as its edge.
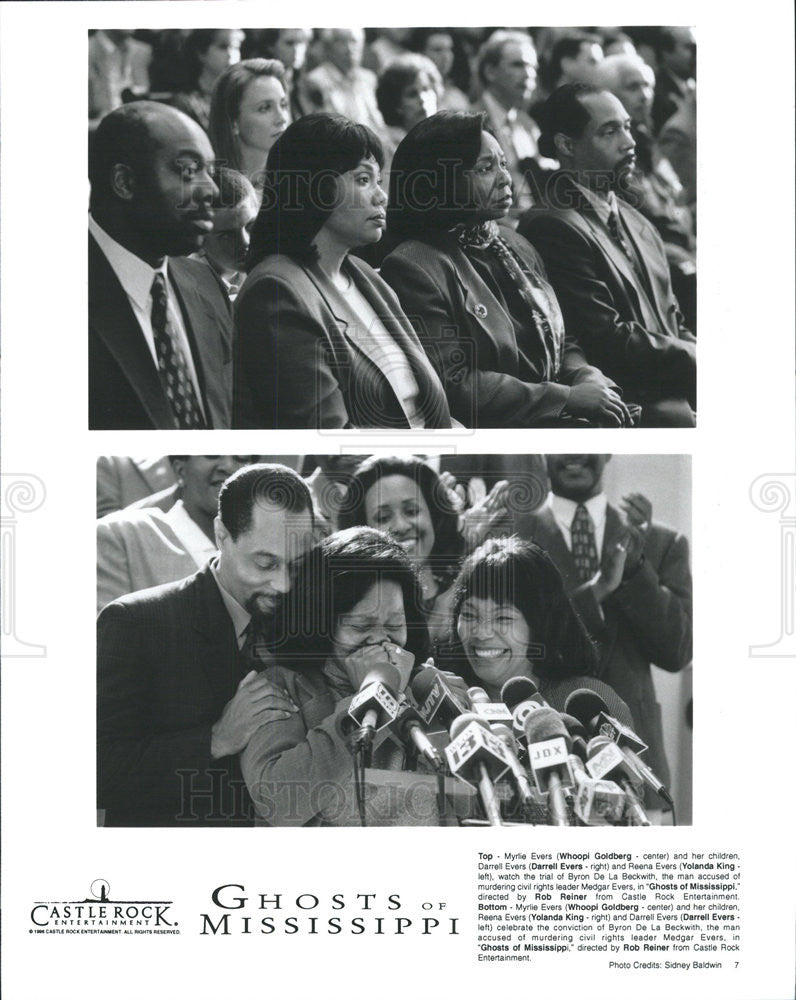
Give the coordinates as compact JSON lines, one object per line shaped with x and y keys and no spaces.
{"x":392,"y":228}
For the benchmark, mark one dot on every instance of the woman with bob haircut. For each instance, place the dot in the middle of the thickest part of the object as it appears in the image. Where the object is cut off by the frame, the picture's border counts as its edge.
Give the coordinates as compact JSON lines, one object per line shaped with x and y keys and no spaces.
{"x":354,"y":604}
{"x":249,"y":110}
{"x":408,"y":91}
{"x":509,"y":363}
{"x":321,"y":339}
{"x":417,"y":508}
{"x":511,"y":617}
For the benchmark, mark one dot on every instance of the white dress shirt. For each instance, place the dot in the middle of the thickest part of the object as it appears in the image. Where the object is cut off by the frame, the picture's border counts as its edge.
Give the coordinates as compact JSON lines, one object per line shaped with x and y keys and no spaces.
{"x":564,"y":512}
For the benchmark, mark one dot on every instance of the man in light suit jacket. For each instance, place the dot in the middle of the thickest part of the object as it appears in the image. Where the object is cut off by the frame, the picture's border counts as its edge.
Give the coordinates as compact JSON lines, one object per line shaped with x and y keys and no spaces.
{"x":507,"y":69}
{"x":159,"y":324}
{"x":123,"y":480}
{"x":145,"y":546}
{"x":605,"y":260}
{"x":178,"y":695}
{"x":637,"y":601}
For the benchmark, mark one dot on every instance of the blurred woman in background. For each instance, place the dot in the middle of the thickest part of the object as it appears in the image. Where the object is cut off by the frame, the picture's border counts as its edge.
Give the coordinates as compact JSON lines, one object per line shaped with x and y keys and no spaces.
{"x":249,"y":110}
{"x":208,"y":52}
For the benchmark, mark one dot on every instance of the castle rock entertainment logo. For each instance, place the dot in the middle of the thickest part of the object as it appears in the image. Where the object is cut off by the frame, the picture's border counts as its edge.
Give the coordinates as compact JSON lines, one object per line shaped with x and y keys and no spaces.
{"x":100,"y":914}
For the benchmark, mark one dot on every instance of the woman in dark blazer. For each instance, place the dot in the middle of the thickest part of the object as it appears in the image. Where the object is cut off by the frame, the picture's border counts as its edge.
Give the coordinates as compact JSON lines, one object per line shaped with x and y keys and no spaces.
{"x":321,"y":340}
{"x":477,"y":293}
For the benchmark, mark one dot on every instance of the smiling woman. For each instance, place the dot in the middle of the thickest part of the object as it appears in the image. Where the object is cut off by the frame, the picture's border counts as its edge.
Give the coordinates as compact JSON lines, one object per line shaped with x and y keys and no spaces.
{"x":512,"y":618}
{"x":321,"y":339}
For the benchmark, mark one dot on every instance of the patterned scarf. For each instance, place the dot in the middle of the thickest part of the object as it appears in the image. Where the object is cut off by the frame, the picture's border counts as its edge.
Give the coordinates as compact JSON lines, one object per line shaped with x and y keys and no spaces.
{"x":534,"y":291}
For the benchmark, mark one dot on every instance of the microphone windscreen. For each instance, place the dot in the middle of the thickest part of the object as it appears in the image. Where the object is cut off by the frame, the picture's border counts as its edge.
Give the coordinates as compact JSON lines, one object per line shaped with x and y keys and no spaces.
{"x":462,"y":721}
{"x":584,"y":704}
{"x":574,"y":726}
{"x":477,"y":694}
{"x":502,"y":731}
{"x":516,"y":690}
{"x":596,"y":744}
{"x":383,"y":673}
{"x":545,"y":724}
{"x":423,"y":682}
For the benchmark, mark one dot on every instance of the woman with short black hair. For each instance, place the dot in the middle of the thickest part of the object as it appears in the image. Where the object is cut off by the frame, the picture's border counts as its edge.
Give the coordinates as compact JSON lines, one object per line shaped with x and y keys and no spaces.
{"x":321,"y":339}
{"x":354,"y":605}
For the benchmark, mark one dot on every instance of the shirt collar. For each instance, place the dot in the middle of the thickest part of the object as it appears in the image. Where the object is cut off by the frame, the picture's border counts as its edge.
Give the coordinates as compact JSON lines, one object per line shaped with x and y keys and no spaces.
{"x":239,"y":615}
{"x":134,"y":274}
{"x":602,"y":206}
{"x":496,"y":110}
{"x":564,"y":510}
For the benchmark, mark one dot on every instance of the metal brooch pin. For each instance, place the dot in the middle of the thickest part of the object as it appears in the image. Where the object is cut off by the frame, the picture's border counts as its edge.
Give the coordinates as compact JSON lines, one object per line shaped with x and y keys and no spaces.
{"x":480,"y":311}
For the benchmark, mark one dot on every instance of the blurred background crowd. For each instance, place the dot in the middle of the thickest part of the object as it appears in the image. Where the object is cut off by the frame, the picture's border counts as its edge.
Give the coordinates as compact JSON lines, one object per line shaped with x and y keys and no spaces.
{"x":245,"y":85}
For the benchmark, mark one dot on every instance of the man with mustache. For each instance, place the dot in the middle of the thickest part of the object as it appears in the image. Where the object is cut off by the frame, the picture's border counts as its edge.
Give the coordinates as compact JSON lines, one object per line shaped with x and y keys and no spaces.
{"x":605,"y":260}
{"x":628,"y":578}
{"x":179,"y":684}
{"x":159,"y":324}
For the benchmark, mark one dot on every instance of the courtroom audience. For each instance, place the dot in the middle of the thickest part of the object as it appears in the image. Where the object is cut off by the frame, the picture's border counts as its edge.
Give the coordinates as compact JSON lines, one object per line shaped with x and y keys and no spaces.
{"x":627,"y":303}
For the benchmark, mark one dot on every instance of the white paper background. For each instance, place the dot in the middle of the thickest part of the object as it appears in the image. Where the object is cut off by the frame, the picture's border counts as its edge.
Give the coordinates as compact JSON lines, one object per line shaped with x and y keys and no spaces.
{"x":743,"y":789}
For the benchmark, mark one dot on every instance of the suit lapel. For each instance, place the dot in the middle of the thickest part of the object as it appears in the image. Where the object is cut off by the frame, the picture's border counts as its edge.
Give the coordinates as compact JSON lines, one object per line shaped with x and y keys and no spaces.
{"x":430,"y":395}
{"x":336,"y":306}
{"x":212,"y":622}
{"x":201,"y":323}
{"x":484,"y":310}
{"x":549,"y":537}
{"x":637,"y":229}
{"x":114,"y":323}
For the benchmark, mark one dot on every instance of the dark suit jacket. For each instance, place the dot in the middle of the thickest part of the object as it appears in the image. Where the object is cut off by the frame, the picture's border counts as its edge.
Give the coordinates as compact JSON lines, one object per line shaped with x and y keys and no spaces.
{"x":647,"y":619}
{"x":167,"y":664}
{"x":296,"y":364}
{"x":471,"y":339}
{"x":125,"y":392}
{"x":635,"y":336}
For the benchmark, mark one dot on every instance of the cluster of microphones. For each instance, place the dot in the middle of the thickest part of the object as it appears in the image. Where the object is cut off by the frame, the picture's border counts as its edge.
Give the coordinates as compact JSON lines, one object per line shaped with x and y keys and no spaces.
{"x":571,"y":768}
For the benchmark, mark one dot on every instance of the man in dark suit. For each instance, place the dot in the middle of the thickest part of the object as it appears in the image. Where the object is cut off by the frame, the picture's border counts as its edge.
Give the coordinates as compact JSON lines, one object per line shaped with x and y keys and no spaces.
{"x":159,"y":324}
{"x":605,"y":260}
{"x":178,"y":692}
{"x":676,"y":72}
{"x":628,"y":578}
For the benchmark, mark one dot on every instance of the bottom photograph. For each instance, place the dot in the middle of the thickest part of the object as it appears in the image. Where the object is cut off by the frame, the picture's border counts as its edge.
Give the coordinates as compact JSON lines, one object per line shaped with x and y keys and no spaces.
{"x":380,"y":640}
